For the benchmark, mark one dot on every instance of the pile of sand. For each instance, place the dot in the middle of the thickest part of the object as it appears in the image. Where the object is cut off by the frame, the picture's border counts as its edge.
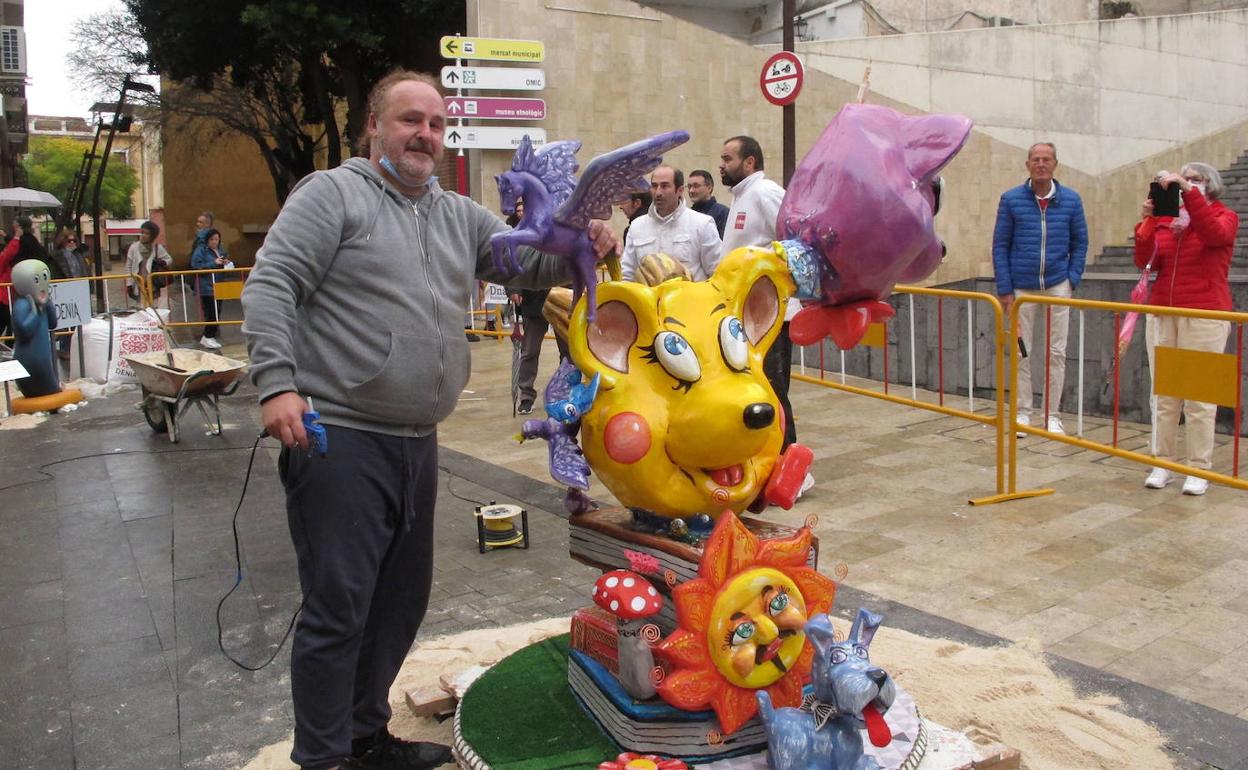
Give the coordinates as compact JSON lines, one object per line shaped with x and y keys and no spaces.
{"x":995,"y":695}
{"x":21,"y":421}
{"x":1008,"y":695}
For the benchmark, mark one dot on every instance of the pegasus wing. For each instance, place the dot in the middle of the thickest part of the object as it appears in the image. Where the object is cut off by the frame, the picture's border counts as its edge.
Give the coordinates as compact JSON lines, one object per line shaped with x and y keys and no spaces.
{"x":609,"y":178}
{"x":557,"y":166}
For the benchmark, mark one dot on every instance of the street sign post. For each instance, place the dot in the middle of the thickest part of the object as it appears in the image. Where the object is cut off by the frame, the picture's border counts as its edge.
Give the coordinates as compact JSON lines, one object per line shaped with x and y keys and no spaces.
{"x":494,"y":49}
{"x":781,"y":78}
{"x":491,"y":137}
{"x":494,"y":108}
{"x":494,"y":78}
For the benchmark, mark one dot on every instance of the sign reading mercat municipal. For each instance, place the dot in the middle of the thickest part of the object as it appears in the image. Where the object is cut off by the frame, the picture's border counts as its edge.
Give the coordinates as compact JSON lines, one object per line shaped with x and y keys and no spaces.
{"x":494,"y":49}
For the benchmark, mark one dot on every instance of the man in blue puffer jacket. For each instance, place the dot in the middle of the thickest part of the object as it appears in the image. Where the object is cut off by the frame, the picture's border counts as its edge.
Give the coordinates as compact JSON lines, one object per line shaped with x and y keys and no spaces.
{"x":1038,"y":247}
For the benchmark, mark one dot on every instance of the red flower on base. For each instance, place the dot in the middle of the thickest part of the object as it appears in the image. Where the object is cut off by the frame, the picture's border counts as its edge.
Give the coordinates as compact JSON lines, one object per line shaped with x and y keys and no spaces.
{"x":630,"y":761}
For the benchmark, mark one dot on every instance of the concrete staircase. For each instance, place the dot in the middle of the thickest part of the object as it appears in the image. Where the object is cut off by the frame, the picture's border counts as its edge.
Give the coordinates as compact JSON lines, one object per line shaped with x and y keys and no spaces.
{"x":1120,"y":259}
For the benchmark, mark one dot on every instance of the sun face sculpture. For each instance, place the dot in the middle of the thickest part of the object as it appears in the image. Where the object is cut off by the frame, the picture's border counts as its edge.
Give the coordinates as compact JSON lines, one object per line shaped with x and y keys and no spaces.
{"x":741,"y":624}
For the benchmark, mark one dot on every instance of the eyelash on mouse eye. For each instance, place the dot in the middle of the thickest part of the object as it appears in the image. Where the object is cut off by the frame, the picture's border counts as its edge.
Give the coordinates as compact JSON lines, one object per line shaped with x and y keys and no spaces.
{"x":653,"y":358}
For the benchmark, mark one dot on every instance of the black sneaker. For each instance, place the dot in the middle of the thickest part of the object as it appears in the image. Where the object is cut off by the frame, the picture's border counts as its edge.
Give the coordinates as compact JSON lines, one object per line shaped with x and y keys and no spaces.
{"x":391,"y":753}
{"x":525,"y":407}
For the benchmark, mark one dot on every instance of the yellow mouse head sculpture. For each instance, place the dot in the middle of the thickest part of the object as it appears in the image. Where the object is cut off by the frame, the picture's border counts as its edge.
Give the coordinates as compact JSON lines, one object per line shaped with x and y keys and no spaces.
{"x":685,"y":422}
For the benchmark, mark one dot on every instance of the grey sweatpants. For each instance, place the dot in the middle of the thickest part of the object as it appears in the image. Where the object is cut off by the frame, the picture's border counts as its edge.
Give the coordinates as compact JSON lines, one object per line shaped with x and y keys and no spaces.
{"x":361,"y":519}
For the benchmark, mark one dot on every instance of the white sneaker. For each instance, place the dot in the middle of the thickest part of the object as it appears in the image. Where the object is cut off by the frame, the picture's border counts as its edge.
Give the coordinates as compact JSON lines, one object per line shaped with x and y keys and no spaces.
{"x":807,"y":483}
{"x":1055,"y":425}
{"x":1159,"y":478}
{"x":209,"y":343}
{"x":1023,"y":419}
{"x":1195,"y":485}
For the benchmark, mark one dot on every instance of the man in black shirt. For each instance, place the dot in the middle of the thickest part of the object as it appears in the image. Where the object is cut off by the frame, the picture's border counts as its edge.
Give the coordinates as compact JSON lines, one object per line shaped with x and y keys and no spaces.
{"x":700,"y":186}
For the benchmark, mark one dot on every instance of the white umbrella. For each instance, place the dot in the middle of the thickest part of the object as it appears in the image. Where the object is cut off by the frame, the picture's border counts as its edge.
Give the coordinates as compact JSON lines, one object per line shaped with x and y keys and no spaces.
{"x":27,"y":198}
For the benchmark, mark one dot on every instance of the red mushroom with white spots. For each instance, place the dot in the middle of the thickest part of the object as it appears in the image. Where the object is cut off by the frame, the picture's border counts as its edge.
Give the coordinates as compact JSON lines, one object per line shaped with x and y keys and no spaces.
{"x":631,"y":599}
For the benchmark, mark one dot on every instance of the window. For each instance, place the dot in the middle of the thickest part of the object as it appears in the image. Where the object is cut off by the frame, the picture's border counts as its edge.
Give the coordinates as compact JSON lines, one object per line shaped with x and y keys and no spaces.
{"x":13,"y":50}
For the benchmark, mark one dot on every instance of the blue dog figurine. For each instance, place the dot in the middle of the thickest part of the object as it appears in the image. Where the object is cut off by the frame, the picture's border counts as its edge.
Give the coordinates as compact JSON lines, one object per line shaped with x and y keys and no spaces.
{"x":849,"y":694}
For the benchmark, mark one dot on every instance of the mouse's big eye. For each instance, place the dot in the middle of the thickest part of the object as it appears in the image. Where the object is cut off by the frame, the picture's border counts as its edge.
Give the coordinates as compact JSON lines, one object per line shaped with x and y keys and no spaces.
{"x":733,"y":344}
{"x":677,"y":357}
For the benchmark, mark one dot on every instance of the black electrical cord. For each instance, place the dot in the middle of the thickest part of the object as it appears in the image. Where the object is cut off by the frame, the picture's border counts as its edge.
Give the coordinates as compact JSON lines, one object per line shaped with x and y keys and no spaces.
{"x":49,"y":477}
{"x":451,"y":477}
{"x":238,"y":578}
{"x":238,"y":561}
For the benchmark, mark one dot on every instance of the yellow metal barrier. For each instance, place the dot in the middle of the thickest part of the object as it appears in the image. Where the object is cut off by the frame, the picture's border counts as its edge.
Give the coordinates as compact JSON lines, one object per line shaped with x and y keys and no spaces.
{"x":495,"y":315}
{"x":1126,"y":454}
{"x":997,"y":421}
{"x":227,"y":285}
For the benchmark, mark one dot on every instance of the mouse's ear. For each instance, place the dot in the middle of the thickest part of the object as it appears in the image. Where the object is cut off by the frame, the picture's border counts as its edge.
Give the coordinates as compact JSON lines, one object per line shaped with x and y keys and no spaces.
{"x":757,"y":282}
{"x":604,"y":346}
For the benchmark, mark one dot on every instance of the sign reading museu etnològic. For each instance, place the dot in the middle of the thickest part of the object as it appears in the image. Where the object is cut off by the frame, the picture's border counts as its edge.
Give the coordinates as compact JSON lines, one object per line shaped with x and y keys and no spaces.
{"x":494,"y":108}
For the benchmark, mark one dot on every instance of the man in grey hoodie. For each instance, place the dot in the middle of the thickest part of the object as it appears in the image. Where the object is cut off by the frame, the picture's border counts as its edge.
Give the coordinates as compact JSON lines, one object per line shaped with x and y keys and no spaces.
{"x":356,"y":301}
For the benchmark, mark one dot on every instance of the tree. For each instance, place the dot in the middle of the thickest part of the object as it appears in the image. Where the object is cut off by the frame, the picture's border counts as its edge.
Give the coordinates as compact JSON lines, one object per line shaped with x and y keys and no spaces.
{"x":54,"y":161}
{"x":281,"y":72}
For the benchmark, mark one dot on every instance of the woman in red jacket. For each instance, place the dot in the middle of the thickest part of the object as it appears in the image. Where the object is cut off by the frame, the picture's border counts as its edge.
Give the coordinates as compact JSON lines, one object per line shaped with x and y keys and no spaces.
{"x":8,"y":257}
{"x":1192,"y":256}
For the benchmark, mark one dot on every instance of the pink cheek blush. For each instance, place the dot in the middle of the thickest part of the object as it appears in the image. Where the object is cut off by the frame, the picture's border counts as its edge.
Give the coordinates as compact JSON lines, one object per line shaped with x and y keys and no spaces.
{"x":627,"y":437}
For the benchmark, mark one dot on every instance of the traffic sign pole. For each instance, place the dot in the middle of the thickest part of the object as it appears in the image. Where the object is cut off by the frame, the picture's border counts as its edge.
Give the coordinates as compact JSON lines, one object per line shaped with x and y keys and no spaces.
{"x":789,"y":7}
{"x":461,"y":160}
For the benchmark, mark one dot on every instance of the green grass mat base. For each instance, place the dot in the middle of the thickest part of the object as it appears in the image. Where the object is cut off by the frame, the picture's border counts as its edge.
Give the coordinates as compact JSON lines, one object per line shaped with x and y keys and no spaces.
{"x":521,"y":714}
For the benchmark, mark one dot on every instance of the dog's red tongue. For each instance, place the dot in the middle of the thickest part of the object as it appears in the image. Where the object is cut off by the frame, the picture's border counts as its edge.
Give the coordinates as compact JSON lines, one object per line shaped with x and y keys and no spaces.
{"x":877,"y":728}
{"x":727,"y":477}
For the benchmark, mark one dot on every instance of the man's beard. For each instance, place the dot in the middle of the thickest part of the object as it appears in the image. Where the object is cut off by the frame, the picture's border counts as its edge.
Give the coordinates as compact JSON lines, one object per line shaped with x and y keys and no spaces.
{"x":728,"y":179}
{"x":410,"y":171}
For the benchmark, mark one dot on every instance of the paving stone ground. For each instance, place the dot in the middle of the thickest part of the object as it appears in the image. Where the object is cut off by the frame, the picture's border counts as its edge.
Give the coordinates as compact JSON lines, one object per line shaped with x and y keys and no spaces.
{"x":115,"y":548}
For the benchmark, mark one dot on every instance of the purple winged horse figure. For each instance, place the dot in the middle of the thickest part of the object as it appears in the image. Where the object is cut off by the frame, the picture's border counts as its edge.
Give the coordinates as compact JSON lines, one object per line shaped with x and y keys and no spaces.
{"x":558,"y":208}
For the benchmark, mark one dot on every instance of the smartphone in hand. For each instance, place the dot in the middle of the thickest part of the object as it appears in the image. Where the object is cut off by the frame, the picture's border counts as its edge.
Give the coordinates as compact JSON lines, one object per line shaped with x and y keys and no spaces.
{"x":1165,"y":200}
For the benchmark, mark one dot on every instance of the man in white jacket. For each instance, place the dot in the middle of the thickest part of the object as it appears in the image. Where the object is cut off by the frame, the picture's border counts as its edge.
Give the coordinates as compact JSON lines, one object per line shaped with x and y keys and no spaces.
{"x":755,"y":198}
{"x":672,"y":228}
{"x":752,"y":222}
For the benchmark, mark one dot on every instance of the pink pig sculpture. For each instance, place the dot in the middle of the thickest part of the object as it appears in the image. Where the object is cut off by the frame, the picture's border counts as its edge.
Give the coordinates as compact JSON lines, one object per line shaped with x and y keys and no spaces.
{"x":857,"y":216}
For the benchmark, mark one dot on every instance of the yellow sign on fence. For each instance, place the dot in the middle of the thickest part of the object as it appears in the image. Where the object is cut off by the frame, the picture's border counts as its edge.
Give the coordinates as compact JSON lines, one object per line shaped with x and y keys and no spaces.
{"x":493,"y":49}
{"x":876,"y":336}
{"x":1197,"y":375}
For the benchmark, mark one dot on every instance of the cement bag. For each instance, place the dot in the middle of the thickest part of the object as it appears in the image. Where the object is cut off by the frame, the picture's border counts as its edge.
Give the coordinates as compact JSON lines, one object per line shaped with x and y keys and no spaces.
{"x":105,"y":340}
{"x":92,"y":339}
{"x":138,"y":333}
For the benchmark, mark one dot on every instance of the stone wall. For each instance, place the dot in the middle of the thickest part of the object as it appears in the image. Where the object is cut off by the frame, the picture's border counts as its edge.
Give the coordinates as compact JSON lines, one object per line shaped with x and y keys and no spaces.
{"x":937,"y":15}
{"x":1086,"y":87}
{"x":209,"y":167}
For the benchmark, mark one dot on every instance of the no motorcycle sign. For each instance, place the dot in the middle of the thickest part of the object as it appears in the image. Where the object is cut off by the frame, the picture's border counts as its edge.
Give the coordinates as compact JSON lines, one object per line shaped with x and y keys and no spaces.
{"x":781,"y":78}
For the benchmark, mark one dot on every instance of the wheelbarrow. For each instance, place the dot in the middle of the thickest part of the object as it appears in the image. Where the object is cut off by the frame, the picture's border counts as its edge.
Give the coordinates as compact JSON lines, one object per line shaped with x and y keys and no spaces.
{"x":196,"y":378}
